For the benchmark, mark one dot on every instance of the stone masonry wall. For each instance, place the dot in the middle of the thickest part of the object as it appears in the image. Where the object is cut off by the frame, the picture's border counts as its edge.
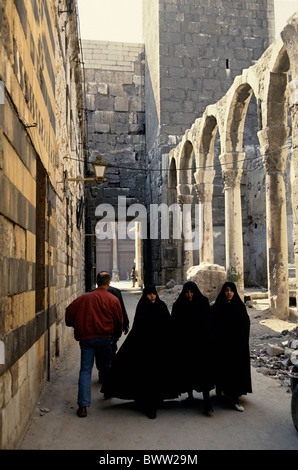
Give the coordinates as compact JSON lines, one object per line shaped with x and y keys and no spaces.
{"x":41,"y":247}
{"x":115,"y":107}
{"x":203,"y":46}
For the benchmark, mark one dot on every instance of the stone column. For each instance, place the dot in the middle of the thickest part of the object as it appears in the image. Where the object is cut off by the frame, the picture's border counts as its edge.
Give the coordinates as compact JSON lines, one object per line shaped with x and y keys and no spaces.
{"x":290,"y":38}
{"x":232,"y":163}
{"x":204,"y":190}
{"x":185,"y":202}
{"x":275,"y":151}
{"x":294,"y":113}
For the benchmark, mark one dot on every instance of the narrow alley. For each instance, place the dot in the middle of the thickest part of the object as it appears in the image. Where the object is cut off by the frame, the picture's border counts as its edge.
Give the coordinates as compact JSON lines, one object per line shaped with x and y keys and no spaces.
{"x":114,"y":425}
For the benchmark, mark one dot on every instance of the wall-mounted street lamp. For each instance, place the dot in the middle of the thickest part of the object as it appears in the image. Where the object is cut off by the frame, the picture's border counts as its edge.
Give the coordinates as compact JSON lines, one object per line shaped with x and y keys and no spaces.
{"x":99,"y":170}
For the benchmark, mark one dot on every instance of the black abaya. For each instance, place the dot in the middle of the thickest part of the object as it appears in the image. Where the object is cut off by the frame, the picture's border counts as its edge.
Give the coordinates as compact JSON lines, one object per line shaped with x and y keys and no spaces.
{"x":232,"y":327}
{"x":192,"y":336}
{"x":142,"y":368}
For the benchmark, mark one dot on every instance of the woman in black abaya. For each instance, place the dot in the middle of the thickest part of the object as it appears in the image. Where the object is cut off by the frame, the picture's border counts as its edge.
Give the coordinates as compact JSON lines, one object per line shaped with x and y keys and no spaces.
{"x":142,"y":368}
{"x":232,"y":327}
{"x":191,"y":318}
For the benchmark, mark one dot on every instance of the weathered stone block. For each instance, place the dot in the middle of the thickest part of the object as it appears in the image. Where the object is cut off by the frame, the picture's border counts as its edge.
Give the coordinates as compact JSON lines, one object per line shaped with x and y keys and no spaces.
{"x":209,"y":278}
{"x":103,"y":88}
{"x":274,"y":350}
{"x":20,"y":242}
{"x":121,"y":104}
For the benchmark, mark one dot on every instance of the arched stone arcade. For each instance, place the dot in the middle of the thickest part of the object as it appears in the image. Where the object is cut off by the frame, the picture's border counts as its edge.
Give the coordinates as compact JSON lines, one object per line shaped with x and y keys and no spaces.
{"x":272,"y":80}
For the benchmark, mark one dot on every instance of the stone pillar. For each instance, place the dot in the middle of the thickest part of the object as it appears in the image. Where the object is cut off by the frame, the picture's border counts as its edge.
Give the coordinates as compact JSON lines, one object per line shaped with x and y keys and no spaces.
{"x":290,"y":38}
{"x":115,"y":269}
{"x":275,"y":151}
{"x":294,"y":113}
{"x":204,"y":190}
{"x":185,"y":202}
{"x":232,"y":172}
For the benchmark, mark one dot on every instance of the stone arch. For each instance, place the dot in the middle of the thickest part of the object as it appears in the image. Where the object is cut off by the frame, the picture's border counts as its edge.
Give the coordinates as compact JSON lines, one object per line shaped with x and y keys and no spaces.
{"x":172,"y":251}
{"x":289,"y":38}
{"x":185,"y":198}
{"x":204,"y":177}
{"x":232,"y":159}
{"x":281,"y":61}
{"x":267,"y":80}
{"x":185,"y":165}
{"x":237,"y":109}
{"x":172,"y":182}
{"x":273,"y":140}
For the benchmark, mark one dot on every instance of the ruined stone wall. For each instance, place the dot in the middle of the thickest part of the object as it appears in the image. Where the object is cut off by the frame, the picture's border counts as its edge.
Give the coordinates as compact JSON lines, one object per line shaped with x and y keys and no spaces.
{"x":35,"y":139}
{"x":203,"y":45}
{"x":261,"y":186}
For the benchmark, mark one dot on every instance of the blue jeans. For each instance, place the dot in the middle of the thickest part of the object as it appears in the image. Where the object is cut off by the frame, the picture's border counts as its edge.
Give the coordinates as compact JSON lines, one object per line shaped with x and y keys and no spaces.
{"x":91,"y":348}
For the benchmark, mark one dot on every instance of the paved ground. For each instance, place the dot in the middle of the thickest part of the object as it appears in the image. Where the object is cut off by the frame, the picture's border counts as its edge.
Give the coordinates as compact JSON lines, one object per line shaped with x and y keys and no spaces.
{"x":266,"y":423}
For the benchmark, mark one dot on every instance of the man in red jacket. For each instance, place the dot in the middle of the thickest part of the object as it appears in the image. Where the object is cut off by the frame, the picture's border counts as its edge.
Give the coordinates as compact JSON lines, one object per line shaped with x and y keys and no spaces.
{"x":97,"y":321}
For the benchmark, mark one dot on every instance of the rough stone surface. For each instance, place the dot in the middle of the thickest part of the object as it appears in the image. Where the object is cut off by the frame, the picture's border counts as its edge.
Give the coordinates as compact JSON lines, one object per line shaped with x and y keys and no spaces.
{"x":209,"y":278}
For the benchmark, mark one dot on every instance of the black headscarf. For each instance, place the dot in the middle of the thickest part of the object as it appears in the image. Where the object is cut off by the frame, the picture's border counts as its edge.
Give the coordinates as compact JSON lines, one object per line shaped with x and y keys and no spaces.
{"x":221,"y":298}
{"x":231,"y":325}
{"x":231,"y":315}
{"x":192,"y":286}
{"x":191,"y":322}
{"x":151,"y":289}
{"x":148,"y":313}
{"x":187,"y":314}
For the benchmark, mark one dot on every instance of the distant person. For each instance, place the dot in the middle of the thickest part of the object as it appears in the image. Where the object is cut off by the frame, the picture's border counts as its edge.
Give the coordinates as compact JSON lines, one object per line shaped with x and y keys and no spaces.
{"x":97,"y":321}
{"x":133,"y":276}
{"x":117,"y":278}
{"x":192,"y":329}
{"x":231,"y":325}
{"x":143,"y":368}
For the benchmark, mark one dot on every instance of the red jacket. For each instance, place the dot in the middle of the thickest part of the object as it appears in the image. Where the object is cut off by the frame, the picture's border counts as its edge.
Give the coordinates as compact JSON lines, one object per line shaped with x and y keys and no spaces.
{"x":96,"y":314}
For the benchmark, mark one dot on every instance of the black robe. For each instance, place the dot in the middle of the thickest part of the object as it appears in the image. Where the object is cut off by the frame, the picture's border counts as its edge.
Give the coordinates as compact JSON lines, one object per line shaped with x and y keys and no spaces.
{"x":231,"y":325}
{"x":142,"y":368}
{"x":192,"y":337}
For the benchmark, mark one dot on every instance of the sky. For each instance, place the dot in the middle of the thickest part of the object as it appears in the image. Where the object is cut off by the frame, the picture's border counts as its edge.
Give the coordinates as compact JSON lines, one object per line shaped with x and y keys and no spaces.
{"x":111,"y":20}
{"x":284,"y":9}
{"x":121,"y":20}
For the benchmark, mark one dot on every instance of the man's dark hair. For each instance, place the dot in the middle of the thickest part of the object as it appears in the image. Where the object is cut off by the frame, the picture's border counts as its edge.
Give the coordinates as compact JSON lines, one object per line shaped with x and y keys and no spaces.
{"x":103,"y":278}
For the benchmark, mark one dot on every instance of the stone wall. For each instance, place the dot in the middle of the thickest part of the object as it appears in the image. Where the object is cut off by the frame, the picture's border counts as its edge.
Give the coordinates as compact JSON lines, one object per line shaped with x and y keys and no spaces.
{"x":202,"y":47}
{"x":115,"y":107}
{"x":41,"y":253}
{"x":272,"y":80}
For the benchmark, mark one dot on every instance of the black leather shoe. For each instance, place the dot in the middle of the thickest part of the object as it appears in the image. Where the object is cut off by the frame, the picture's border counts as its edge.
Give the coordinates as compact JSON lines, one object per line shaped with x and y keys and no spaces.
{"x":82,"y":412}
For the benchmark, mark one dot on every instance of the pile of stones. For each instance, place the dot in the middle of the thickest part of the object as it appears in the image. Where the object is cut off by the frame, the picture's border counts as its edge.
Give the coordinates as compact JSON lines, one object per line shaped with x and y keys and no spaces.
{"x":278,"y":357}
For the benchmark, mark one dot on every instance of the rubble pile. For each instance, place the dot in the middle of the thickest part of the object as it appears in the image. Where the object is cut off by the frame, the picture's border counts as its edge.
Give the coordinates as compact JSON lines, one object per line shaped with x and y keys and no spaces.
{"x":170,"y":293}
{"x":278,"y":356}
